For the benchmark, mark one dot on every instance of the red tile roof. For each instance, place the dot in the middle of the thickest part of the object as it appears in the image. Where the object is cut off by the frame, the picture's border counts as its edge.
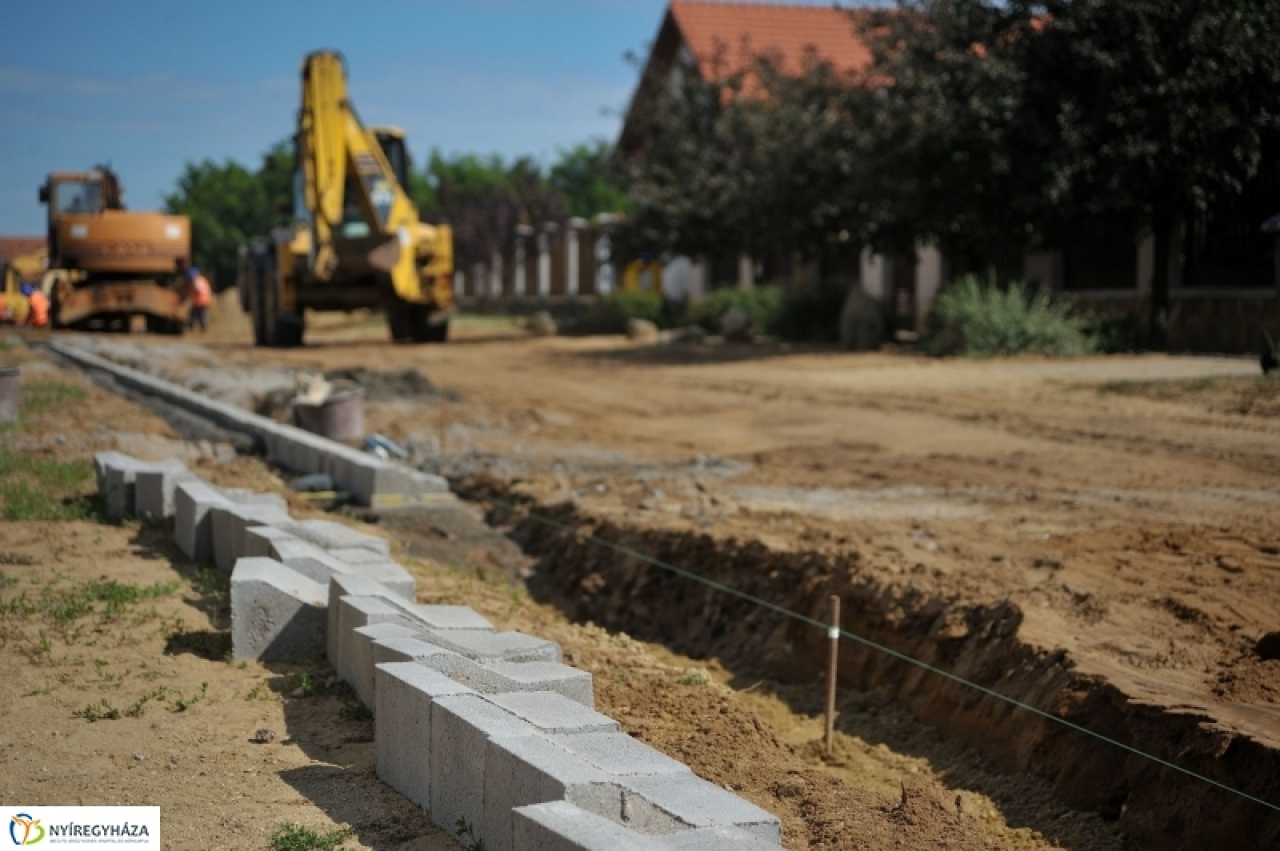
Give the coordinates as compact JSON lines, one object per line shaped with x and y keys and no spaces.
{"x":12,"y":246}
{"x":741,"y":31}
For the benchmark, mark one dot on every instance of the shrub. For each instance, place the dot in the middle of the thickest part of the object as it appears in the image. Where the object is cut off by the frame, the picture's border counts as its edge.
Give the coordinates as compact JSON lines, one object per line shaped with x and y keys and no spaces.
{"x":985,"y":319}
{"x":612,"y":312}
{"x":764,"y":304}
{"x":812,"y":314}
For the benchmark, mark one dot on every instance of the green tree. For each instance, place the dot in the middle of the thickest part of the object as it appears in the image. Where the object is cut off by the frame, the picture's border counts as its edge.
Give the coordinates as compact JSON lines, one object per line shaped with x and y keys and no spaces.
{"x":1161,"y":106}
{"x":956,"y":150}
{"x":750,"y":161}
{"x":1004,"y":120}
{"x":588,"y":181}
{"x":228,"y":204}
{"x":484,"y":198}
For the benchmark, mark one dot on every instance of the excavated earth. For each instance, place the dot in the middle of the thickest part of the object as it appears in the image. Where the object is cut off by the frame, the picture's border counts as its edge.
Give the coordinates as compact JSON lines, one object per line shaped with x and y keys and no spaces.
{"x":1095,"y":539}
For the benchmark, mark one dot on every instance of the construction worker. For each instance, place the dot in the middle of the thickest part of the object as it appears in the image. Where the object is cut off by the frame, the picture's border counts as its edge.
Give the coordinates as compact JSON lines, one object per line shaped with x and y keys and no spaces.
{"x":38,"y":306}
{"x":201,"y":298}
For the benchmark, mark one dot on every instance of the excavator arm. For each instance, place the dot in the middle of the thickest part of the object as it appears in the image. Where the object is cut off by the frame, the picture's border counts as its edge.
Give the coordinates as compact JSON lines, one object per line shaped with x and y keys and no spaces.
{"x":349,"y":190}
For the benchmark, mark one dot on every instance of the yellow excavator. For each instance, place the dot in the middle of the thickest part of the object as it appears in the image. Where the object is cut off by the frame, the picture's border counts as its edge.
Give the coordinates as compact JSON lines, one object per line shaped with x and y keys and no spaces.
{"x":356,"y":240}
{"x":23,"y":269}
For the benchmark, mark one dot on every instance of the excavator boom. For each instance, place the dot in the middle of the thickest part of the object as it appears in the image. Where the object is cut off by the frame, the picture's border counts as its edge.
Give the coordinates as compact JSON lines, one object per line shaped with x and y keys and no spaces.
{"x":350,"y":190}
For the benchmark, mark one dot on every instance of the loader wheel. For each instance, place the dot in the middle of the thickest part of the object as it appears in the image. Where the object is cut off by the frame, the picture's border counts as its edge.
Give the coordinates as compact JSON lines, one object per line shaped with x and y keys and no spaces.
{"x":434,"y":332}
{"x":400,"y":320}
{"x":271,"y":327}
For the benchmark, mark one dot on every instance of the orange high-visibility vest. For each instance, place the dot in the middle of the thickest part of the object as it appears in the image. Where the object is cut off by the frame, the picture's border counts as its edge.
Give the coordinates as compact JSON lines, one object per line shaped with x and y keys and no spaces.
{"x":39,"y":315}
{"x":201,"y":292}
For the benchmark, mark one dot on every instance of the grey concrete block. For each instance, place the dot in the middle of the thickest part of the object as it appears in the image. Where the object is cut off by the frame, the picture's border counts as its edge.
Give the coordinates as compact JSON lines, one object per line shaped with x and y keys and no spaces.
{"x":497,"y":646}
{"x":715,"y":839}
{"x":302,"y":556}
{"x":103,"y":460}
{"x":342,"y":585}
{"x":117,"y":481}
{"x":244,"y":496}
{"x":402,"y":726}
{"x":554,"y":713}
{"x":335,"y":536}
{"x":193,"y":502}
{"x":230,"y":521}
{"x":320,"y":564}
{"x":689,"y":800}
{"x":390,"y":574}
{"x":524,"y":770}
{"x":361,"y":657}
{"x":259,"y":542}
{"x":276,"y":613}
{"x":493,"y":677}
{"x":153,"y":488}
{"x":560,"y":826}
{"x":353,"y":613}
{"x":541,"y":676}
{"x":461,"y":726}
{"x":357,"y":555}
{"x":619,"y":755}
{"x":442,"y":618}
{"x":402,"y":649}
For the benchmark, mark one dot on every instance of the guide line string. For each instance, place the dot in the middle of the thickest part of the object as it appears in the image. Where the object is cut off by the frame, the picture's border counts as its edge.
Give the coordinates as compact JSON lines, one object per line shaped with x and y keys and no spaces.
{"x":864,"y":641}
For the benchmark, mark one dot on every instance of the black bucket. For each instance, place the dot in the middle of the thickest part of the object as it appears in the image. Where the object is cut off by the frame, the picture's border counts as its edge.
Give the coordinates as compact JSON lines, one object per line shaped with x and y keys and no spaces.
{"x":9,"y":382}
{"x":339,"y":417}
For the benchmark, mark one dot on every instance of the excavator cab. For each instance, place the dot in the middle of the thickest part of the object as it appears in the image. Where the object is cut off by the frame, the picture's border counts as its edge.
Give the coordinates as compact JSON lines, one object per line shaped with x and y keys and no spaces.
{"x":392,"y":142}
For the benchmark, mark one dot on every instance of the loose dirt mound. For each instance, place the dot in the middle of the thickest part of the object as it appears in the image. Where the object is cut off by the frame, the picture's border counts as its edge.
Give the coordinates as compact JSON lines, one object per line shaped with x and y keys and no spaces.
{"x":392,"y":385}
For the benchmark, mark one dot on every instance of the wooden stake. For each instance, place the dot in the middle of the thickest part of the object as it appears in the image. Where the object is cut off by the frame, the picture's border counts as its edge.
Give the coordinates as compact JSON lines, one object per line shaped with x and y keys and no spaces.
{"x":834,"y":634}
{"x":444,"y":426}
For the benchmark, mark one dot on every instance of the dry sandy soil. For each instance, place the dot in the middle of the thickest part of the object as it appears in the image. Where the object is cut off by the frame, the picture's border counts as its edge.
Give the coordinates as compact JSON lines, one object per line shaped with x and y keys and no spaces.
{"x":1094,"y":538}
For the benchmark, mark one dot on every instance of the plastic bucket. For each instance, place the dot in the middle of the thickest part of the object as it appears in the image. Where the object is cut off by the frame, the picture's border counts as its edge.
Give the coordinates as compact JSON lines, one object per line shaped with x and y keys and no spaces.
{"x":340,"y":417}
{"x":9,"y":381}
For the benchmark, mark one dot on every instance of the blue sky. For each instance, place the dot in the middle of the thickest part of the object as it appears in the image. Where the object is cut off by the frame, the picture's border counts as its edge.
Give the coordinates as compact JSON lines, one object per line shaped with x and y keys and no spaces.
{"x":150,"y":85}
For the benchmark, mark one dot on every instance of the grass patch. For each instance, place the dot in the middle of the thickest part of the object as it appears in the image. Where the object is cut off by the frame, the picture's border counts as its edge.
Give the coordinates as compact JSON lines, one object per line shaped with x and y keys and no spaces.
{"x":175,"y":700}
{"x":466,"y":834}
{"x":43,"y":396}
{"x":983,"y":319}
{"x":100,"y":711}
{"x":103,"y":596}
{"x":295,"y":837}
{"x":694,"y":677}
{"x":34,"y":488}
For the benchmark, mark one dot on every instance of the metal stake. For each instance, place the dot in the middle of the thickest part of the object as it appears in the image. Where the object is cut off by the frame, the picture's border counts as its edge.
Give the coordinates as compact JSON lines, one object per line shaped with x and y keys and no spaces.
{"x":834,"y":634}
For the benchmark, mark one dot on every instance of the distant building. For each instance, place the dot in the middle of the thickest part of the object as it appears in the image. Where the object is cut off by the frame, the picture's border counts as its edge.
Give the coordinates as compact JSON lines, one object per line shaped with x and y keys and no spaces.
{"x":716,"y":40}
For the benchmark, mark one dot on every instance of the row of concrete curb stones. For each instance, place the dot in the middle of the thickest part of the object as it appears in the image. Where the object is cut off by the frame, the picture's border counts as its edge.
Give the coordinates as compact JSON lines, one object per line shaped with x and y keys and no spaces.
{"x":487,"y":731}
{"x":371,"y":481}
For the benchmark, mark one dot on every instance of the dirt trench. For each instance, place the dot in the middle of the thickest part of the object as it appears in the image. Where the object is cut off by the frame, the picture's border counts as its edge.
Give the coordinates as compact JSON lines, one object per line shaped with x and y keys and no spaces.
{"x":1157,"y":806}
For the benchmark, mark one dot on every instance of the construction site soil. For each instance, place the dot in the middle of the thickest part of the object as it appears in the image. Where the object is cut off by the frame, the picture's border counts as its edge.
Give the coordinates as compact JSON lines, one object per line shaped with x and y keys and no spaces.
{"x":1093,"y":538}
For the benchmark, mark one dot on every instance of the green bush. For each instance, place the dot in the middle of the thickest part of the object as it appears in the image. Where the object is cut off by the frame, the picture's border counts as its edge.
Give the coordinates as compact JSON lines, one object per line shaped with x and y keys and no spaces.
{"x":764,"y":304}
{"x":812,"y":314}
{"x":612,"y":312}
{"x":986,"y":319}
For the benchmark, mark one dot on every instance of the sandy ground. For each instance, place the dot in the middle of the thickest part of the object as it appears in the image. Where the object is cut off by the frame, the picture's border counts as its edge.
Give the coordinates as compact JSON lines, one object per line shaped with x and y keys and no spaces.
{"x":1123,"y":505}
{"x":119,"y":688}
